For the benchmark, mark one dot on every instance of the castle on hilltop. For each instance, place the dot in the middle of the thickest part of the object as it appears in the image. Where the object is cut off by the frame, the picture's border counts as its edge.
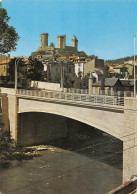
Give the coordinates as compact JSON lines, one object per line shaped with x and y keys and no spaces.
{"x":61,"y":49}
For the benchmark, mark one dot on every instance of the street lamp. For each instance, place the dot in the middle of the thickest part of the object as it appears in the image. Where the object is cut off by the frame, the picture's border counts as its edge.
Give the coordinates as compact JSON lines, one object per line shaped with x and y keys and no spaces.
{"x":134,"y":36}
{"x":62,"y":63}
{"x":16,"y":107}
{"x":16,"y":77}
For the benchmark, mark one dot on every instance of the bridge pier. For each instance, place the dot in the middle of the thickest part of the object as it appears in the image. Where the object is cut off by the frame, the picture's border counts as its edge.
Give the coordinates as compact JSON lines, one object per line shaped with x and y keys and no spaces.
{"x":130,"y":139}
{"x":13,"y":116}
{"x":129,"y":159}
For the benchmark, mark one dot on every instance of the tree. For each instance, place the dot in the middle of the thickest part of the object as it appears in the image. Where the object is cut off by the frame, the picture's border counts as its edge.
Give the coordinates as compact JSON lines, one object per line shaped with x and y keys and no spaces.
{"x":57,"y":78}
{"x":35,"y":69}
{"x":105,"y":76}
{"x":52,"y":44}
{"x":77,"y":82}
{"x":93,"y":57}
{"x":21,"y":69}
{"x":8,"y":35}
{"x":84,"y":82}
{"x":68,"y":82}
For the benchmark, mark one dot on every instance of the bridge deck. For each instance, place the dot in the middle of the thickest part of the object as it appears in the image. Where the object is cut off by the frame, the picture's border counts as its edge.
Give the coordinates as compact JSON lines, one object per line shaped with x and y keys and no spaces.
{"x":98,"y":101}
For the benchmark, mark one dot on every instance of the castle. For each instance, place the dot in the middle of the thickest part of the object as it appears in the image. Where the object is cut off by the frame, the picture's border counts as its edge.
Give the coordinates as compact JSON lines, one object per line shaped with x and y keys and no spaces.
{"x":61,"y":49}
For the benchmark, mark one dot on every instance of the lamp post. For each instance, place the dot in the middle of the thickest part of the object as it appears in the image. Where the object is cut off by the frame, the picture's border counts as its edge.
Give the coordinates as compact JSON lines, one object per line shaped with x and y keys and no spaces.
{"x":16,"y":77}
{"x":61,"y":62}
{"x":134,"y":36}
{"x":16,"y":107}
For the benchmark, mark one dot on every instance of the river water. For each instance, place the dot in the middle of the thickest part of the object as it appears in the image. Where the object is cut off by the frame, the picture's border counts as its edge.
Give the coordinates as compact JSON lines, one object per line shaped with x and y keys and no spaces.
{"x":83,"y":163}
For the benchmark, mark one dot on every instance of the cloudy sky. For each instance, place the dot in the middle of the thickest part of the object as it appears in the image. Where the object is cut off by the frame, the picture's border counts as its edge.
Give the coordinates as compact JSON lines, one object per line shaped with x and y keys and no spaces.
{"x":103,"y":27}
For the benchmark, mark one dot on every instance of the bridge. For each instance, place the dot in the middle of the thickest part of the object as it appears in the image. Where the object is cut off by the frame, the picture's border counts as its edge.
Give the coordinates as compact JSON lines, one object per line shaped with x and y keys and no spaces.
{"x":114,"y":115}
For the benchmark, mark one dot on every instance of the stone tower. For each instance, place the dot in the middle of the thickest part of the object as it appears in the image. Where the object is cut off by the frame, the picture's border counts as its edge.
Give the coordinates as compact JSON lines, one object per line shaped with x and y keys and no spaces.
{"x":61,"y":41}
{"x":44,"y":40}
{"x":74,"y":42}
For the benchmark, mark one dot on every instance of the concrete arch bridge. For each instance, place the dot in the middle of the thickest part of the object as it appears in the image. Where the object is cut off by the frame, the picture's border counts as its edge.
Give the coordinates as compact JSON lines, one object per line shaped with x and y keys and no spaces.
{"x":113,"y":115}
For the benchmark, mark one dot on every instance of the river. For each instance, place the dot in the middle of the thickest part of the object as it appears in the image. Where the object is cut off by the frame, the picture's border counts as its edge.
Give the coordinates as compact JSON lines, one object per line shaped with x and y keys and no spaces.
{"x":86,"y":162}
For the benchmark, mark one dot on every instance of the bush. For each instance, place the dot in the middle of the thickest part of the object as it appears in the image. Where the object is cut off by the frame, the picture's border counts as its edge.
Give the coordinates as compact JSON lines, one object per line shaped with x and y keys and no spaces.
{"x":5,"y":145}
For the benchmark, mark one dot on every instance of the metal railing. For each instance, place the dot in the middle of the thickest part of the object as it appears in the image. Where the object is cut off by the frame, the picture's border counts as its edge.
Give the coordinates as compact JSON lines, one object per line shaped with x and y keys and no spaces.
{"x":101,"y":92}
{"x":75,"y":90}
{"x":74,"y":97}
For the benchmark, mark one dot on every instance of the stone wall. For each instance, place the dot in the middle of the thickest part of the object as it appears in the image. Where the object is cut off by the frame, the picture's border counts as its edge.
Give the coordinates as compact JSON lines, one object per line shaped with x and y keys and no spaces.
{"x":129,"y":138}
{"x":45,"y":85}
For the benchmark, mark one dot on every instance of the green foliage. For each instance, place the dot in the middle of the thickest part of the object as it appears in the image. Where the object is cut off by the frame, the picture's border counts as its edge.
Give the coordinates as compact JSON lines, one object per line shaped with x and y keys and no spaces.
{"x":120,"y":60}
{"x":68,"y":82}
{"x":93,"y":57}
{"x":35,"y":70}
{"x":84,"y":82}
{"x":105,"y":76}
{"x":57,"y":78}
{"x":77,"y":82}
{"x":8,"y":35}
{"x":5,"y":145}
{"x":106,"y":71}
{"x":52,"y":44}
{"x":21,"y":69}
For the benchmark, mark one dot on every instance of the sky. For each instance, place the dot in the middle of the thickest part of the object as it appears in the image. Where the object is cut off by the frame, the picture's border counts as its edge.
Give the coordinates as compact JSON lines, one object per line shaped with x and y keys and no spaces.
{"x":104,"y":28}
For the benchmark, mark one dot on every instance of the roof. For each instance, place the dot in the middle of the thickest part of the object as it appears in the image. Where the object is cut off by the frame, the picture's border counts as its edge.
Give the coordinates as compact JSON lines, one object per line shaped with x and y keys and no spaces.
{"x":126,"y":82}
{"x":74,"y":37}
{"x":97,"y":72}
{"x":109,"y":82}
{"x":117,"y":67}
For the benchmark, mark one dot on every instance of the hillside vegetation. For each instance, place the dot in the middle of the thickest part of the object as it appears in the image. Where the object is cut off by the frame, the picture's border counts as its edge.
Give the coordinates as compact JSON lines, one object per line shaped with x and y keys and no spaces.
{"x":120,"y":60}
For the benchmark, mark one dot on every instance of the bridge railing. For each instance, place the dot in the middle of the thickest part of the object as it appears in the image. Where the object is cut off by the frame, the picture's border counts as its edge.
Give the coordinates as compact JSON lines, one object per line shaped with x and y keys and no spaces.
{"x":100,"y":92}
{"x":75,"y":90}
{"x":75,"y":97}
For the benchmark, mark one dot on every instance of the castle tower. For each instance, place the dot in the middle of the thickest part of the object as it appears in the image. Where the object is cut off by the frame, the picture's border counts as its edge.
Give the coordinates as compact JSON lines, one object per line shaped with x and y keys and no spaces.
{"x":74,"y":42}
{"x":44,"y":40}
{"x":61,"y":41}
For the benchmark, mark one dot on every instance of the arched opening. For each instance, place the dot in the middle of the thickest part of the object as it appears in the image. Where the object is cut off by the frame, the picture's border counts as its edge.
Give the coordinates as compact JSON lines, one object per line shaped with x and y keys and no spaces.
{"x":96,"y":155}
{"x":43,"y":128}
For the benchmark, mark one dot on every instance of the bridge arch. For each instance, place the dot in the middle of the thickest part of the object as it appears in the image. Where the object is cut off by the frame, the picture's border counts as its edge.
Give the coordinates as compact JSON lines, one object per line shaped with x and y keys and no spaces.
{"x":100,"y":119}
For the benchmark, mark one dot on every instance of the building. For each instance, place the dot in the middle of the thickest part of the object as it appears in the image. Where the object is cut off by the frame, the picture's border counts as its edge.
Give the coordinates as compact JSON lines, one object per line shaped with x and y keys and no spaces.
{"x":118,"y":70}
{"x":92,"y":65}
{"x":61,"y":42}
{"x":97,"y":75}
{"x":4,"y":66}
{"x":130,"y":67}
{"x":61,"y":49}
{"x":79,"y":65}
{"x":113,"y":85}
{"x":54,"y":67}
